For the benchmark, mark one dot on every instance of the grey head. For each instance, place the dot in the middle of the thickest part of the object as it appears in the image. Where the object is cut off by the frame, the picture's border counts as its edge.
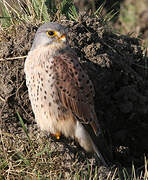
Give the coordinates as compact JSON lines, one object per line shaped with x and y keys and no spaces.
{"x":49,"y":33}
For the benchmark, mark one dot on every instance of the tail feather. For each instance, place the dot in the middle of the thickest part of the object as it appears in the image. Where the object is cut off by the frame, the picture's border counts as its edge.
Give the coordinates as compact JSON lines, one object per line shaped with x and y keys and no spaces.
{"x":99,"y":155}
{"x":100,"y":146}
{"x":92,"y":143}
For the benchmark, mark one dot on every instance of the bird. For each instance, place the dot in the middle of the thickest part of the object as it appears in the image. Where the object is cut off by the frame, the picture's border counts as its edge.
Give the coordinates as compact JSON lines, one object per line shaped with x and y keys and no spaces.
{"x":60,"y":90}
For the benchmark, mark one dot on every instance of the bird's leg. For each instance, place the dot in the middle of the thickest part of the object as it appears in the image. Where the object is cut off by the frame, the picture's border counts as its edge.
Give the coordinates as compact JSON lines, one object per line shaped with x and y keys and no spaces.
{"x":57,"y":135}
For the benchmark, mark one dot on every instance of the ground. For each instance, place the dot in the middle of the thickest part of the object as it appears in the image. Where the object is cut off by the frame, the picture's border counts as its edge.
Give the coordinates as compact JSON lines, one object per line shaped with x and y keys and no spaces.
{"x":116,"y":65}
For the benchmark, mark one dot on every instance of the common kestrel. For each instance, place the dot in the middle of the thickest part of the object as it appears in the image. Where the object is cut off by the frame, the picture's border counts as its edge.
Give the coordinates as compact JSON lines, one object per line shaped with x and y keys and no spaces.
{"x":60,"y":91}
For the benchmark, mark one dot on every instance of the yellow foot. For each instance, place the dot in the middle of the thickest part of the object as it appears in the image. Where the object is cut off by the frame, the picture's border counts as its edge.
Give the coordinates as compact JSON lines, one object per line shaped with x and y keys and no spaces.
{"x":57,"y":135}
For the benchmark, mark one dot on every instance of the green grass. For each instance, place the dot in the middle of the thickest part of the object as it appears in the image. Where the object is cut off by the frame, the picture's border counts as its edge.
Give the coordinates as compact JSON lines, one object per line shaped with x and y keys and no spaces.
{"x":35,"y":11}
{"x":23,"y":11}
{"x":30,"y":156}
{"x":130,"y":15}
{"x":39,"y":11}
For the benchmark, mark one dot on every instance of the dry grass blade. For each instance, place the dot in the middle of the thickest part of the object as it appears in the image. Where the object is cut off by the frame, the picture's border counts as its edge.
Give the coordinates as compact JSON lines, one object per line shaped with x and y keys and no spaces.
{"x":146,"y":168}
{"x":13,"y":58}
{"x":2,"y":99}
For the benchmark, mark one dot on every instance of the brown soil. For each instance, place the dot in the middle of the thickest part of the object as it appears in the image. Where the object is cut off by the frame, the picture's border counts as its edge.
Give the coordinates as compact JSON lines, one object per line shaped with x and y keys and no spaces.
{"x":115,"y":64}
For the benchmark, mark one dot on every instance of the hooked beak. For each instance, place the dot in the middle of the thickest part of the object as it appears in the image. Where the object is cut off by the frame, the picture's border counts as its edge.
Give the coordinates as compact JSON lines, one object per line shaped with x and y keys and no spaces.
{"x":62,"y":38}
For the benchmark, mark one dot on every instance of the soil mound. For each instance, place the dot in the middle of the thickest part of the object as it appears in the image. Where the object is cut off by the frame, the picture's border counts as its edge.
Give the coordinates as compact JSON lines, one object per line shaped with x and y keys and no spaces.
{"x":115,"y":64}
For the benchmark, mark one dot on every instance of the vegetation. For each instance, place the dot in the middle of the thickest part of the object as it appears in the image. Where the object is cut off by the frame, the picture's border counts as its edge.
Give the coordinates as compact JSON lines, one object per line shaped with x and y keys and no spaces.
{"x":33,"y":158}
{"x":35,"y":11}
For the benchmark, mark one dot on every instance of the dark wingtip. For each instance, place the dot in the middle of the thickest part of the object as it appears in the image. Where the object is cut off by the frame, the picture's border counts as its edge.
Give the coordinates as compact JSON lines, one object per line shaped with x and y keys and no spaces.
{"x":96,"y":130}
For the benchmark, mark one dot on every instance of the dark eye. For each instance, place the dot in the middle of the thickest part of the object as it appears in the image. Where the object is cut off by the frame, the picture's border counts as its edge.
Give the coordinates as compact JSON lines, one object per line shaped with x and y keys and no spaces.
{"x":51,"y":33}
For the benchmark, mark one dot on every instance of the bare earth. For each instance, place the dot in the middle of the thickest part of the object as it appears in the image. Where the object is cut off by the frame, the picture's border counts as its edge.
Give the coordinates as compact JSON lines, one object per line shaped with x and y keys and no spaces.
{"x":115,"y":64}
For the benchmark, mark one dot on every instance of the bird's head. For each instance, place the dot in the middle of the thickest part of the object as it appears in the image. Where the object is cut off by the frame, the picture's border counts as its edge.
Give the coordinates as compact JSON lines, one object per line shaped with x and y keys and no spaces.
{"x":50,"y":33}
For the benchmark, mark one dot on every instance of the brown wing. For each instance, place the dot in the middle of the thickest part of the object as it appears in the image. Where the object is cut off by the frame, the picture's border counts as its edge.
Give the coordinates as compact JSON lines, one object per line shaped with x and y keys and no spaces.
{"x":75,"y":88}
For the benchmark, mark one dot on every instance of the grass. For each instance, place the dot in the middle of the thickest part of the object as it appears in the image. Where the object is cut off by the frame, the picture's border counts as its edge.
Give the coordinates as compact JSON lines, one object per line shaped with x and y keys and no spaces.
{"x":26,"y":155}
{"x":23,"y":11}
{"x":130,"y":15}
{"x":32,"y":11}
{"x":39,"y":11}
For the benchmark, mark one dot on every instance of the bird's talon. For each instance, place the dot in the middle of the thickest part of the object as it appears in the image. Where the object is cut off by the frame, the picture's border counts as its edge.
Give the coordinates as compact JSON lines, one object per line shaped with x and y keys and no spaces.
{"x":57,"y":135}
